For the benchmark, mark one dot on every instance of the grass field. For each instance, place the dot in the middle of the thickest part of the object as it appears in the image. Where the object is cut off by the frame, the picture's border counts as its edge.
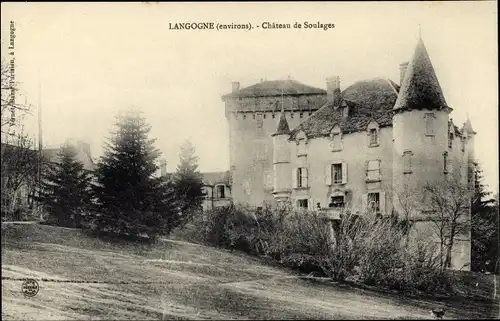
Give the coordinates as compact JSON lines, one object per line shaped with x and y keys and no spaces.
{"x":82,"y":277}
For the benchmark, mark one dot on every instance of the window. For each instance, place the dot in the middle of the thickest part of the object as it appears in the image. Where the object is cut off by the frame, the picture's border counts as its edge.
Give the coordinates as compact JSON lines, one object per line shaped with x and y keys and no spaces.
{"x":273,"y":115}
{"x":336,"y":142}
{"x":244,"y":116}
{"x":372,"y":131}
{"x":407,"y":162}
{"x":302,"y":204}
{"x":259,"y":120}
{"x":446,"y":163}
{"x":336,"y":139}
{"x":462,"y":141}
{"x":336,"y":202}
{"x":373,"y":202}
{"x":373,"y":170}
{"x":300,"y":177}
{"x":429,"y":124}
{"x":336,"y":173}
{"x":301,"y":115}
{"x":373,"y":137}
{"x":221,"y":191}
{"x":450,"y":140}
{"x":301,"y":147}
{"x":204,"y":192}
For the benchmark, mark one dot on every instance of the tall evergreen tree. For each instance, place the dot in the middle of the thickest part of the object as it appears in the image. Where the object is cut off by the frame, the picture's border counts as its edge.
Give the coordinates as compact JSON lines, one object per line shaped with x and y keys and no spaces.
{"x":485,"y":234}
{"x":187,"y":180}
{"x":130,"y":199}
{"x":65,"y":189}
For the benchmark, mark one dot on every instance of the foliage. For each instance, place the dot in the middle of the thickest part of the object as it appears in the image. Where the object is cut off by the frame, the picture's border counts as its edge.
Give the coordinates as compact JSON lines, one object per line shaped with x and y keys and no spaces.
{"x":367,"y":248}
{"x":65,"y":190}
{"x":188,"y":181}
{"x":130,"y":199}
{"x":485,"y":233}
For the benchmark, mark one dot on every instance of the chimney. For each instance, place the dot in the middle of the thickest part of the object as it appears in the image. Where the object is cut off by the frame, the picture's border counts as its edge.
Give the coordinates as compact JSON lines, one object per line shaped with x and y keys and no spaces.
{"x":163,"y":167}
{"x":332,"y":87}
{"x":236,"y":86}
{"x":402,"y":72}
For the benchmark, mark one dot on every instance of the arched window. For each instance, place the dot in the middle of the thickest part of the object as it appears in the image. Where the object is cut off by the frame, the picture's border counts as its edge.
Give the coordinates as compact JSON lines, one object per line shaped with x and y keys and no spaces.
{"x":336,"y":139}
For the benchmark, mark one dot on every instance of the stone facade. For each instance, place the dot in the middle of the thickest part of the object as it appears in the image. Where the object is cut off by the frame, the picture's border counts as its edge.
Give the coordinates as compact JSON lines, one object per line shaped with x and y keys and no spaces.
{"x":361,"y":148}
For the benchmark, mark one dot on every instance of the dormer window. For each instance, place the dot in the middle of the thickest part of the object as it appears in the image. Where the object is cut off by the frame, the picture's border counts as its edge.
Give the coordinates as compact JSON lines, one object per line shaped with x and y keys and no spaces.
{"x":336,"y":139}
{"x":345,"y":112}
{"x":301,"y":144}
{"x":450,"y":140}
{"x":373,"y":135}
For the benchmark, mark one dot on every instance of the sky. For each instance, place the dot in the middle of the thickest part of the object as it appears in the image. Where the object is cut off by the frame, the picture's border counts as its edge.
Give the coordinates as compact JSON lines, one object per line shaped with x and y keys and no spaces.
{"x":84,"y":62}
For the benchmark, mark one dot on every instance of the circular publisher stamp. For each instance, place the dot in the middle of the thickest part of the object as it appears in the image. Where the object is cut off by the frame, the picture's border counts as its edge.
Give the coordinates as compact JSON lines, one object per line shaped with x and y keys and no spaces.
{"x":30,"y":287}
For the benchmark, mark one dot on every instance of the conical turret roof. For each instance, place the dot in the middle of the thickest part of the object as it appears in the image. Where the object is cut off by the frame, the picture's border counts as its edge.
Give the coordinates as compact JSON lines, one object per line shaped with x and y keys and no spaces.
{"x":468,"y":127}
{"x":420,"y":88}
{"x":283,"y":127}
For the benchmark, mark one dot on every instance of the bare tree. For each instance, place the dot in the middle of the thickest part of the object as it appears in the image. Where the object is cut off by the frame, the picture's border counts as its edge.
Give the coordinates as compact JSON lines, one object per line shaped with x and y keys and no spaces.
{"x":406,"y":203}
{"x":19,"y":168}
{"x":449,"y":202}
{"x":19,"y":160}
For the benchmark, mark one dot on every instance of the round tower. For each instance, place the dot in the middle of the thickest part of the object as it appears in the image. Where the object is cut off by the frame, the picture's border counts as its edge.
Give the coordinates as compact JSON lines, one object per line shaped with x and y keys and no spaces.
{"x":281,"y":161}
{"x":420,"y":132}
{"x":469,"y":136}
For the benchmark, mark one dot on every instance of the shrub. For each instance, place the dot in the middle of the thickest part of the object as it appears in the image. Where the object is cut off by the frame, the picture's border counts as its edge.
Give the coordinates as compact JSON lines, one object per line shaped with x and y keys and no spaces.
{"x":366,"y":248}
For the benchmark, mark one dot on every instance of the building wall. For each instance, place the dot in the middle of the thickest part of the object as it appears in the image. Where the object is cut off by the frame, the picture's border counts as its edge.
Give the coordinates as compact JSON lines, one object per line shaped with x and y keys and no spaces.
{"x":355,"y":153}
{"x":213,"y":200}
{"x":409,"y":134}
{"x":251,"y":124}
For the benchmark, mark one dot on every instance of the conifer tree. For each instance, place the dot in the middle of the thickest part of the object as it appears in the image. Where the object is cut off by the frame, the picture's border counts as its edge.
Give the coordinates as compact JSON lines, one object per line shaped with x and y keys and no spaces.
{"x":65,"y":189}
{"x":130,"y":199}
{"x":485,"y":234}
{"x":187,"y":180}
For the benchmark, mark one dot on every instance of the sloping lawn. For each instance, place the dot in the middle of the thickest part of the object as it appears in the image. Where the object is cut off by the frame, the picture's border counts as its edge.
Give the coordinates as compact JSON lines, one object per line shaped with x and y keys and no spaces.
{"x":83,"y":277}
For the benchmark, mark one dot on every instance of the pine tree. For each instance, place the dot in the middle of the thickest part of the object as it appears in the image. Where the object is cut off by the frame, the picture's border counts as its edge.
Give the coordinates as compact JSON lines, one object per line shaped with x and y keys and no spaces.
{"x":485,"y":234}
{"x":65,"y":190}
{"x":187,"y":180}
{"x":130,"y":199}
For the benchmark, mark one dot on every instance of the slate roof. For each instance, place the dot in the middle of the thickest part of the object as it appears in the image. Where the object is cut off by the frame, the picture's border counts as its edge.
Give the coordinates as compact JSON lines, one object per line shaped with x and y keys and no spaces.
{"x":420,"y":88}
{"x":275,"y":88}
{"x":213,"y":178}
{"x":367,"y":100}
{"x":468,"y":127}
{"x":283,"y":127}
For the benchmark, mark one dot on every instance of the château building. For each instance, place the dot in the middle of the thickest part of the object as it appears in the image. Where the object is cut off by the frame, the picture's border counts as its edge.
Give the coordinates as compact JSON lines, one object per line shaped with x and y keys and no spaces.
{"x":357,"y":147}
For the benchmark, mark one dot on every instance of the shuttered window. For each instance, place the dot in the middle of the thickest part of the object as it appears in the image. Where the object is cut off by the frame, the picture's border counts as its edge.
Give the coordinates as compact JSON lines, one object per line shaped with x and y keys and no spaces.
{"x":373,"y":170}
{"x":407,"y":162}
{"x":429,"y":124}
{"x":336,"y":173}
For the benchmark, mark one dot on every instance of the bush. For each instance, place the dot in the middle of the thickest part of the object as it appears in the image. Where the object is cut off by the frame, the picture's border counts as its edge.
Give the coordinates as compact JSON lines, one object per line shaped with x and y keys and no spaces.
{"x":367,"y":248}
